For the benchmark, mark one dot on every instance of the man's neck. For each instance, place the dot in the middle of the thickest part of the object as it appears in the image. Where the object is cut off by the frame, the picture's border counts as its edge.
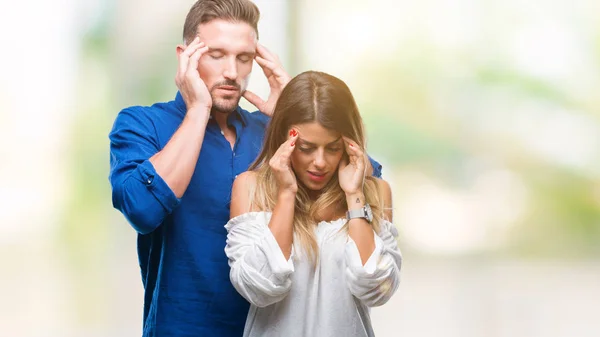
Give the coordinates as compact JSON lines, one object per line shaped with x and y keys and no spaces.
{"x":221,"y":118}
{"x":226,"y":131}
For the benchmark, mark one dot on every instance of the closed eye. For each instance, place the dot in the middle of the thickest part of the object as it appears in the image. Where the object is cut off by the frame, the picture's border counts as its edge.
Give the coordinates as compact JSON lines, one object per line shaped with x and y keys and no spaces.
{"x":245,"y":59}
{"x":306,"y":149}
{"x":216,"y":56}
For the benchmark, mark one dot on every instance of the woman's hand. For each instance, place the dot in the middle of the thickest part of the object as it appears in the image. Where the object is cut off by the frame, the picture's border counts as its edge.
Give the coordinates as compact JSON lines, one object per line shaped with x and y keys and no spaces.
{"x":351,"y":172}
{"x":281,"y":165}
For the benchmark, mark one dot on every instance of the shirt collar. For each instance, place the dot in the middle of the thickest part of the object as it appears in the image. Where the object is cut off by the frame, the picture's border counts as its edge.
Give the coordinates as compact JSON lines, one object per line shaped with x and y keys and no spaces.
{"x":236,"y":114}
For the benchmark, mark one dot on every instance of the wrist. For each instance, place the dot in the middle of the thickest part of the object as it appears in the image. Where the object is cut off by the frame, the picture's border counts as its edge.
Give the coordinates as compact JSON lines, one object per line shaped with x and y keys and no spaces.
{"x":199,"y":110}
{"x":286,"y":195}
{"x":355,"y":200}
{"x":198,"y":114}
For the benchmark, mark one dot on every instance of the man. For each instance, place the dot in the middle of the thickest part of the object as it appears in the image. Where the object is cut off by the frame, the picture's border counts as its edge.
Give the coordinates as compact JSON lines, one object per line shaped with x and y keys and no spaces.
{"x":173,"y":166}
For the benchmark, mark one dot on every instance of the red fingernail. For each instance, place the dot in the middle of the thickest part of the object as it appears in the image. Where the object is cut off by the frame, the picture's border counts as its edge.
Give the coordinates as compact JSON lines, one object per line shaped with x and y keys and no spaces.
{"x":295,"y":133}
{"x":351,"y":145}
{"x":293,"y":143}
{"x":291,"y":133}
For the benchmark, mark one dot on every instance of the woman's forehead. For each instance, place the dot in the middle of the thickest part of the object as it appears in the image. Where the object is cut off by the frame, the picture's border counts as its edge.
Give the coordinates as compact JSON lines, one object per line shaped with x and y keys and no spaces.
{"x":316,"y":134}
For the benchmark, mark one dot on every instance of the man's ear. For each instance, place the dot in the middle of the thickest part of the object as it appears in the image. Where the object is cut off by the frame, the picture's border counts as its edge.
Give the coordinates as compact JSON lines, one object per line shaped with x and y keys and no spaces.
{"x":180,"y":48}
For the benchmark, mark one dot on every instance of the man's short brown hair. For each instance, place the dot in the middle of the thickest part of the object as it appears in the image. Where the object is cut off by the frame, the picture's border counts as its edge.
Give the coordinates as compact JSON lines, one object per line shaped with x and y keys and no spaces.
{"x":204,"y":11}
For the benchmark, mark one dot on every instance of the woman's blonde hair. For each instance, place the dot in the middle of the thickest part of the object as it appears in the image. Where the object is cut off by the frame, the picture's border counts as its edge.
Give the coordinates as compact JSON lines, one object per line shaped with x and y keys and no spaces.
{"x":312,"y":97}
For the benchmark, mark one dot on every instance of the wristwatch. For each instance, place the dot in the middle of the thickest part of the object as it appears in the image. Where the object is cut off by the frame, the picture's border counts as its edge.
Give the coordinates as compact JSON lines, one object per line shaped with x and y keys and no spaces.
{"x":364,"y":212}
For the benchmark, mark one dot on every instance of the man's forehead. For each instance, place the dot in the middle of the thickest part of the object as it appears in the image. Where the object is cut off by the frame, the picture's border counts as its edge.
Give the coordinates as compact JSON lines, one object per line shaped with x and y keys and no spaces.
{"x":233,"y":34}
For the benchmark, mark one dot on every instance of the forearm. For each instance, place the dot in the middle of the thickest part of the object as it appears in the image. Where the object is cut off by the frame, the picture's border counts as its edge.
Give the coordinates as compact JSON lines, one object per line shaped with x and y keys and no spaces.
{"x":281,"y":224}
{"x":359,"y":229}
{"x":176,"y":162}
{"x":259,"y":270}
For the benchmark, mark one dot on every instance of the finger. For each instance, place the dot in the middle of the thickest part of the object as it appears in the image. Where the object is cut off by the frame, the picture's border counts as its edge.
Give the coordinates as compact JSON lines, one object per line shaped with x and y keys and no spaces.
{"x":354,"y":150}
{"x":276,"y":75}
{"x":183,"y":64}
{"x":269,"y":65}
{"x":347,"y":143}
{"x":265,"y":52}
{"x":189,"y":49}
{"x":348,"y":140}
{"x":274,"y":63}
{"x":185,"y":55}
{"x":262,"y":63}
{"x":282,"y":157}
{"x":254,"y":99}
{"x":286,"y":149}
{"x":193,"y":63}
{"x":355,"y":154}
{"x":352,"y":145}
{"x":292,"y":138}
{"x":288,"y":145}
{"x":265,"y":64}
{"x":343,"y":163}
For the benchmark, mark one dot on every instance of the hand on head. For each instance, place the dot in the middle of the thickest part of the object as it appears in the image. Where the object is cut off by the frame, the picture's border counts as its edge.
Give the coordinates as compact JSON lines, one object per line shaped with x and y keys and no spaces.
{"x":351,"y":172}
{"x":277,"y":77}
{"x":188,"y":81}
{"x":281,"y":166}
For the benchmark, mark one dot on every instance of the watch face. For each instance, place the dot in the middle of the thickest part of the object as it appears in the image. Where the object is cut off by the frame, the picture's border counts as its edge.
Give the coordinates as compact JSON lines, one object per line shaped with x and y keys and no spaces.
{"x":369,"y":213}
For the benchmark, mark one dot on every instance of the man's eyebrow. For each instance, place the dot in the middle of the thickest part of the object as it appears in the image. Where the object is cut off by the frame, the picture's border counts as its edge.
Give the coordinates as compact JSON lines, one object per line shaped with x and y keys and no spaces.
{"x":313,"y":144}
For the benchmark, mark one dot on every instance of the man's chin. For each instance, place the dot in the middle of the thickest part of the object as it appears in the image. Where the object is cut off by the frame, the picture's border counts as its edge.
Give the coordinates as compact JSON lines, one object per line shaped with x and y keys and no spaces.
{"x":225,"y":105}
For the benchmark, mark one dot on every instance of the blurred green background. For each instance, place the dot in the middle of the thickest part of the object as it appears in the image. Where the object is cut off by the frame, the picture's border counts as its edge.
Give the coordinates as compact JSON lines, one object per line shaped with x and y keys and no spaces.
{"x":485,"y":115}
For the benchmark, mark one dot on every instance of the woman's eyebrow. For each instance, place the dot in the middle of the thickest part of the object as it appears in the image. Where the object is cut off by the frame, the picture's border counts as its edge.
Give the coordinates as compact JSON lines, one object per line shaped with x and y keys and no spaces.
{"x":335,"y":141}
{"x":306,"y":142}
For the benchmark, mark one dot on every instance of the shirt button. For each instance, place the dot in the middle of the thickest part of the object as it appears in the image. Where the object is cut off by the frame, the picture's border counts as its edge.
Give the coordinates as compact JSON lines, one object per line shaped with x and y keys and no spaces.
{"x":236,"y":175}
{"x":149,"y":181}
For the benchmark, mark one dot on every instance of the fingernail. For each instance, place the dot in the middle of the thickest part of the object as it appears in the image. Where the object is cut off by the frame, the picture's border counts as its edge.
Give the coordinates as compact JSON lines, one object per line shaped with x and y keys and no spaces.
{"x":295,"y":133}
{"x":351,"y":145}
{"x":291,"y":133}
{"x":293,"y":143}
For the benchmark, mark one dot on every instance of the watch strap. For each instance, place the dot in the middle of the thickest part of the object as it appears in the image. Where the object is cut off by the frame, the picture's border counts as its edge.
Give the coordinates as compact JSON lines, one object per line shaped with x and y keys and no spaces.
{"x":356,"y":213}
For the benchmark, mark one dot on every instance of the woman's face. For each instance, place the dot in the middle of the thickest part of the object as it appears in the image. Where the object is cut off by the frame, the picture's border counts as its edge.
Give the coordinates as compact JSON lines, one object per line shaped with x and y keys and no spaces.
{"x":317,"y":154}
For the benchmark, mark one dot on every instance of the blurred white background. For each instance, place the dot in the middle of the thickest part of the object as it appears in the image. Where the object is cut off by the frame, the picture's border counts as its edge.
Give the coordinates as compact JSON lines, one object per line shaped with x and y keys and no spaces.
{"x":485,"y":114}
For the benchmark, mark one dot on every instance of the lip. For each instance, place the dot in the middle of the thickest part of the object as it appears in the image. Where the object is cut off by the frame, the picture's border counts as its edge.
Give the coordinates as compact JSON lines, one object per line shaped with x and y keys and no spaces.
{"x":318,"y":177}
{"x":228,"y":88}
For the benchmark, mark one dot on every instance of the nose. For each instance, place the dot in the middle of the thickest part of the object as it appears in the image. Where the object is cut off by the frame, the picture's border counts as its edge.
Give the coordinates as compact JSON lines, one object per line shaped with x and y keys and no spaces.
{"x":319,"y":160}
{"x":230,"y":69}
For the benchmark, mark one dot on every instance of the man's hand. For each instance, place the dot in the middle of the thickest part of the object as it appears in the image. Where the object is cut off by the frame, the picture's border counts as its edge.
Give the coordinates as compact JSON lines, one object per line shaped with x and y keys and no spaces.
{"x":192,"y":88}
{"x":278,"y":78}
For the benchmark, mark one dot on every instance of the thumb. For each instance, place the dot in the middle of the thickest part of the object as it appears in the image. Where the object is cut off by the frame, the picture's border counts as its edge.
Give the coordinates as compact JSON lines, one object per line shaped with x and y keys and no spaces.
{"x":343,"y":163}
{"x":254,"y":99}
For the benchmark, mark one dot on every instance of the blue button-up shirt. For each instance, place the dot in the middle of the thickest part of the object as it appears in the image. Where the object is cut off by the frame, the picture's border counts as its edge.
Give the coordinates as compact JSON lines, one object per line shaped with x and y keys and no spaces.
{"x":181,"y":241}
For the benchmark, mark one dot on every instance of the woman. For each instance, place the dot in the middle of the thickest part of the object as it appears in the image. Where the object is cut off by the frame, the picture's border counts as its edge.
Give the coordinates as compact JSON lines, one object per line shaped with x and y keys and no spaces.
{"x":305,"y":268}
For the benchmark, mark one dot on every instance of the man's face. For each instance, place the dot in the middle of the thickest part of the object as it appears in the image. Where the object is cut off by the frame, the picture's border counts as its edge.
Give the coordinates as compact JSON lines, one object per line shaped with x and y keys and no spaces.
{"x":225,"y":67}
